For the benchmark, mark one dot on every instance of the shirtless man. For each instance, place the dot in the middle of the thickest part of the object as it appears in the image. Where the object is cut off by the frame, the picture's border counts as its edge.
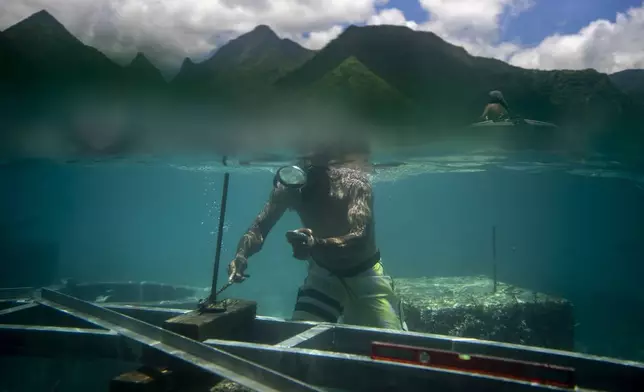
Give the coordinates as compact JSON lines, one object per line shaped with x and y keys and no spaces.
{"x":345,"y":277}
{"x":496,"y":108}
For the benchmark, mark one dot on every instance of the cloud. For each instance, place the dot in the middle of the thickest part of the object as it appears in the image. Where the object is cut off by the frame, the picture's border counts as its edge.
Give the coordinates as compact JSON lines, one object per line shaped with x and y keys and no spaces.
{"x":391,"y":16}
{"x":169,"y":30}
{"x":474,"y":24}
{"x":469,"y":20}
{"x":318,"y":39}
{"x":603,"y":45}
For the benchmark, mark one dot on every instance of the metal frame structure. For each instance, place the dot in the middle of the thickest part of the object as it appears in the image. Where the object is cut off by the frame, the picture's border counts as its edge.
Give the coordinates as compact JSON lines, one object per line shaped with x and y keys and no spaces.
{"x":280,"y":355}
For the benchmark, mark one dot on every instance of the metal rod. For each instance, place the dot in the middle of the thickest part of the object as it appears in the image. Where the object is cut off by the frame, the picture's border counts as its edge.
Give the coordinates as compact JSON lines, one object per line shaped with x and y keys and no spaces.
{"x":220,"y":232}
{"x":351,"y":372}
{"x":177,"y":347}
{"x":494,"y":257}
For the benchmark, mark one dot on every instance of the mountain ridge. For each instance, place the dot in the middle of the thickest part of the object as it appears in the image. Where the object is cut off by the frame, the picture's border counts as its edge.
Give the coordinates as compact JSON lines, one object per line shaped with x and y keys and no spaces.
{"x":141,"y":70}
{"x":387,"y":74}
{"x":631,"y":81}
{"x":248,"y":63}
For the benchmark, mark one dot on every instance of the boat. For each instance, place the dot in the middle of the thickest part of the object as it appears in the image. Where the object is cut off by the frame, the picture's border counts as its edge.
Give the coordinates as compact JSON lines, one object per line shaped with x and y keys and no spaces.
{"x":513,"y":134}
{"x":515,"y":123}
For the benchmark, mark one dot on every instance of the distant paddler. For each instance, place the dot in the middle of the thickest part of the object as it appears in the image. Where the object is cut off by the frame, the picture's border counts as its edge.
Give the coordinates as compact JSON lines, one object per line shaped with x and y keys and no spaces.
{"x":497,"y":107}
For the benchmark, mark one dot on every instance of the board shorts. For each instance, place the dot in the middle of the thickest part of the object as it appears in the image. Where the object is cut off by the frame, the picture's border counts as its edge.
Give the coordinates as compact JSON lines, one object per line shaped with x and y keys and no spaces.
{"x":366,"y":298}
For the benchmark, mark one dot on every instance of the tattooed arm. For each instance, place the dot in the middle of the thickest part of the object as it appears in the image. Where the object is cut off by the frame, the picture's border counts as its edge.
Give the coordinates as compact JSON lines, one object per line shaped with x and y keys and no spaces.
{"x":253,"y":240}
{"x":360,"y":219}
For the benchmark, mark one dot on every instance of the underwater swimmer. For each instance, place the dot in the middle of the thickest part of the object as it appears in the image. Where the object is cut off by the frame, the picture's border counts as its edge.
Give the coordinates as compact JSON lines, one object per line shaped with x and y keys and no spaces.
{"x":345,"y":276}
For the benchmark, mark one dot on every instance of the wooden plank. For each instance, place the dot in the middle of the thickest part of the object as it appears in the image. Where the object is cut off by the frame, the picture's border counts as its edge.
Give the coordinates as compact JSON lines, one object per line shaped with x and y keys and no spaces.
{"x":233,"y":323}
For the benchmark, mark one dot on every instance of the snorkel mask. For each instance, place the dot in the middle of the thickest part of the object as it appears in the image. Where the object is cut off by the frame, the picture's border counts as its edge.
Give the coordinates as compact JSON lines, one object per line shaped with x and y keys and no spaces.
{"x":291,"y":177}
{"x":305,"y":171}
{"x":311,"y":171}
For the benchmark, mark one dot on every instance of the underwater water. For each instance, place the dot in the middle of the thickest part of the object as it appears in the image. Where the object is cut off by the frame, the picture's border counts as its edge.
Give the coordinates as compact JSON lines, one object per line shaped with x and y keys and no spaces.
{"x":571,"y":228}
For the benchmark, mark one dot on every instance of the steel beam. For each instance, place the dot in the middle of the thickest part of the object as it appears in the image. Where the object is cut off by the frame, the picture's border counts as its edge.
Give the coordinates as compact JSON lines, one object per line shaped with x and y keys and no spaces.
{"x":152,"y":315}
{"x":273,"y":330}
{"x":10,"y":303}
{"x":16,"y":293}
{"x":199,"y":355}
{"x":17,"y":308}
{"x":590,"y":371}
{"x":48,"y":342}
{"x":38,"y":314}
{"x":359,"y":373}
{"x":307,"y":336}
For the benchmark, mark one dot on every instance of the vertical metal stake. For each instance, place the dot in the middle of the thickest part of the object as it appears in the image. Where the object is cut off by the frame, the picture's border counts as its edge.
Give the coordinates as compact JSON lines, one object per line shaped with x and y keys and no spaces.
{"x":220,"y":232}
{"x":494,"y":257}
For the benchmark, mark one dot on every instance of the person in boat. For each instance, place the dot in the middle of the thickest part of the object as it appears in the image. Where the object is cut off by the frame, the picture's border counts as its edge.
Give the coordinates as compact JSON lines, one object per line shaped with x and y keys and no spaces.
{"x":496,"y":108}
{"x":334,"y":201}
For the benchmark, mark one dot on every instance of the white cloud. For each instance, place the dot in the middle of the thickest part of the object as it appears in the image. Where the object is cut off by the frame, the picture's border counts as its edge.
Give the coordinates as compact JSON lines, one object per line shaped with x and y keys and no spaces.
{"x":474,"y":24}
{"x":318,"y":39}
{"x":470,"y":19}
{"x":169,"y":30}
{"x":391,"y":16}
{"x":603,"y":45}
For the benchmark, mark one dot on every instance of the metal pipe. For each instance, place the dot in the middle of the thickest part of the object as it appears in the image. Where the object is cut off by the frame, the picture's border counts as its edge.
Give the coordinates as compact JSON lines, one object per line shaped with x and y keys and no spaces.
{"x":494,"y":257}
{"x":220,"y":232}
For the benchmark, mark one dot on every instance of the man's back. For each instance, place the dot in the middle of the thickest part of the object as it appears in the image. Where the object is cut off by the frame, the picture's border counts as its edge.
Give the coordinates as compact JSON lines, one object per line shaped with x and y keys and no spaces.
{"x":494,"y":112}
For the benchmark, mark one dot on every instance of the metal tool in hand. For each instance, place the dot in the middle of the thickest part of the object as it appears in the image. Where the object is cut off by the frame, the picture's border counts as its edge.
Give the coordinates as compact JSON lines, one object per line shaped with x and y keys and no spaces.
{"x":224,"y":287}
{"x":209,"y":305}
{"x":228,"y":284}
{"x":297,"y":236}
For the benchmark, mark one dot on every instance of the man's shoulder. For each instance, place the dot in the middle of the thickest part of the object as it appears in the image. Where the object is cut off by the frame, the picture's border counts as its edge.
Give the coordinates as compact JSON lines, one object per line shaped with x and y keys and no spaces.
{"x":352,"y":178}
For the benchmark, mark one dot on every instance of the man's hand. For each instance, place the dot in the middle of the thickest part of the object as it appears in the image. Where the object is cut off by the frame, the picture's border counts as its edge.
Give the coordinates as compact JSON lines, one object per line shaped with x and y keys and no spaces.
{"x":302,"y":241}
{"x":236,"y":270}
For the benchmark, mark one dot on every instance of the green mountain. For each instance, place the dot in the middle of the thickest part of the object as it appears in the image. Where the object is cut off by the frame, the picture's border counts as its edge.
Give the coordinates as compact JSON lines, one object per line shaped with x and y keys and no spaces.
{"x":383,"y":75}
{"x":244,"y":67}
{"x":451,"y":86}
{"x":354,"y":78}
{"x":14,"y":66}
{"x":143,"y":72}
{"x":631,"y":81}
{"x":186,"y":71}
{"x":354,"y":87}
{"x":57,"y":58}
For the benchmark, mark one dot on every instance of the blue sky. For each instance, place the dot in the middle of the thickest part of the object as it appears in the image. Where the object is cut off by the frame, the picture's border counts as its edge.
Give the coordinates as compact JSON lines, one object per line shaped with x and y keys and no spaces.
{"x":544,"y":18}
{"x":561,"y":16}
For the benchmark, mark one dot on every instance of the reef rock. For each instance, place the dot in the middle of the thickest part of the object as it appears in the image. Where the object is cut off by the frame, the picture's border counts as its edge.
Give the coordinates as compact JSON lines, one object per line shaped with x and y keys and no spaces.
{"x":468,"y":307}
{"x":229,"y":386}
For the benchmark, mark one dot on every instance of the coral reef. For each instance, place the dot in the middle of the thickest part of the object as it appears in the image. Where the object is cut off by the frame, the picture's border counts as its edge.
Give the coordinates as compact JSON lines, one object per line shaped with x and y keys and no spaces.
{"x":469,"y":307}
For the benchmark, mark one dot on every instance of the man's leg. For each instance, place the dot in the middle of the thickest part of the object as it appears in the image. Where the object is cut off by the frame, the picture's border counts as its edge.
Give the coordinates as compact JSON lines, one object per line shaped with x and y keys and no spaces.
{"x":320,"y":298}
{"x":372,"y":302}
